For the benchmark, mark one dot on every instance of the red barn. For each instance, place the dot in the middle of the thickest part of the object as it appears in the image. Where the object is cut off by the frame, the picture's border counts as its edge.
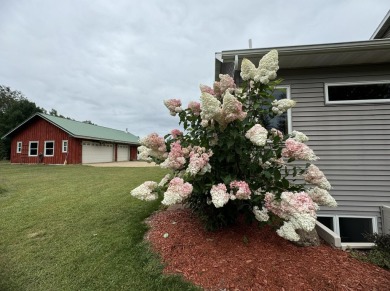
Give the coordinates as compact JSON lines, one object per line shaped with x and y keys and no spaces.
{"x":53,"y":140}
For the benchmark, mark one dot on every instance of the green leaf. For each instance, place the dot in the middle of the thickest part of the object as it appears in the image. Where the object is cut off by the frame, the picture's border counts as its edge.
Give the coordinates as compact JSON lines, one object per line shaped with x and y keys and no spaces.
{"x":277,"y":174}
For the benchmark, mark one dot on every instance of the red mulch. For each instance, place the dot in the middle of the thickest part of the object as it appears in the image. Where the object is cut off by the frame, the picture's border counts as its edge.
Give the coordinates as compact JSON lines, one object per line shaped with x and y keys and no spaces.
{"x":248,"y":258}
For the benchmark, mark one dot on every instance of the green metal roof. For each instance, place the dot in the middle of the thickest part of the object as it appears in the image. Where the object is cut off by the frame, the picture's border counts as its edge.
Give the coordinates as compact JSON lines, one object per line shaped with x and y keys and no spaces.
{"x":84,"y":130}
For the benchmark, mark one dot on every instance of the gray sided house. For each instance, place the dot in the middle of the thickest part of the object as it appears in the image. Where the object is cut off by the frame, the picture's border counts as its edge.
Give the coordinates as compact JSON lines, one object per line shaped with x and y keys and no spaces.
{"x":343,"y":104}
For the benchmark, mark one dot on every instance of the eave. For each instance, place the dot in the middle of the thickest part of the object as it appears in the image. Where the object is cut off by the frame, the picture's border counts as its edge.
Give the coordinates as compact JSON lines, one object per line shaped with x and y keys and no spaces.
{"x":319,"y":55}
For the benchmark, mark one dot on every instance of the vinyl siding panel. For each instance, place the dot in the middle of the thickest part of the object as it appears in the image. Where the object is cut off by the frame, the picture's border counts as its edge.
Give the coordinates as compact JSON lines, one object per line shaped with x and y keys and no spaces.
{"x":386,"y":34}
{"x":352,"y":140}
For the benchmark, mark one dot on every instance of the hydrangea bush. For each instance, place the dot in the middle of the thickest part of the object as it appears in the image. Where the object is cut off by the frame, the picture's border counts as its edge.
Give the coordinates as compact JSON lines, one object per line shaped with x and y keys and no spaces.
{"x":227,"y":162}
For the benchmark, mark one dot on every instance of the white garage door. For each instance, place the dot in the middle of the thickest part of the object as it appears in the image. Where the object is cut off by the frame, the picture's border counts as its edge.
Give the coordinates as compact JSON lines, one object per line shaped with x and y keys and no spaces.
{"x":94,"y":152}
{"x":123,"y":153}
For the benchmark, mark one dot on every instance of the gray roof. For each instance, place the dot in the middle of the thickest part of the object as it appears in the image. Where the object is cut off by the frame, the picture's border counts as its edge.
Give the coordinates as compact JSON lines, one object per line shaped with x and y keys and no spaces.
{"x":319,"y":55}
{"x":84,"y":130}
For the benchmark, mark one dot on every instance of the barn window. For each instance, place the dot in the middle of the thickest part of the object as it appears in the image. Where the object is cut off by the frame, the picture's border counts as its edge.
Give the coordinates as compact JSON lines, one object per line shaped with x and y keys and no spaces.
{"x":33,"y":148}
{"x":19,"y":147}
{"x":49,"y":148}
{"x":358,"y":92}
{"x":64,"y":146}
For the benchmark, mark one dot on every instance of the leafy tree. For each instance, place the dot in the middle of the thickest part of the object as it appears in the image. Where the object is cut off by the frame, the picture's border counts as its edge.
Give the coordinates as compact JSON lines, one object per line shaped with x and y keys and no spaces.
{"x":14,"y":109}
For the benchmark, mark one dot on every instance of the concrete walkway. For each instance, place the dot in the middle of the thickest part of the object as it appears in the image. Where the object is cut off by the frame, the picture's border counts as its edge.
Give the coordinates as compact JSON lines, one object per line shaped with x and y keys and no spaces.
{"x":128,"y":164}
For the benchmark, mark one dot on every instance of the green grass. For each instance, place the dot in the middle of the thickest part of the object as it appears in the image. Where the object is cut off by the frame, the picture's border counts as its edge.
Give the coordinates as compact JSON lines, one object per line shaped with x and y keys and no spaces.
{"x":77,"y":228}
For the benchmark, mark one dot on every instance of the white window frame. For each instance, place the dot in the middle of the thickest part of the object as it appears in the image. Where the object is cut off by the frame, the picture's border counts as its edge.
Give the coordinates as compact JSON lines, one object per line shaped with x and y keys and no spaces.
{"x":65,"y":146}
{"x":288,"y":93}
{"x":328,"y":102}
{"x":44,"y":150}
{"x":336,"y":226}
{"x":19,"y":146}
{"x":29,"y":148}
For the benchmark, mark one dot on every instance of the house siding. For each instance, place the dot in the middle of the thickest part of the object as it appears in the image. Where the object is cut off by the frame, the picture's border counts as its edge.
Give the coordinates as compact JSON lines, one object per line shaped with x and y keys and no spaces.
{"x":386,"y":34}
{"x":352,"y":140}
{"x":40,"y":130}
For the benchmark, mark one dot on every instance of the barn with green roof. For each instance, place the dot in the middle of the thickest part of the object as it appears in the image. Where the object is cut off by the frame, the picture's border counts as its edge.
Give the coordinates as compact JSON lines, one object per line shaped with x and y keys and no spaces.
{"x":49,"y":139}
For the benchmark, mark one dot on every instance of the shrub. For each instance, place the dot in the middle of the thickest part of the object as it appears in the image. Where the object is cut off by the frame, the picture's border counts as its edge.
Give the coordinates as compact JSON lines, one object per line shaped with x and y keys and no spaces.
{"x":229,"y":161}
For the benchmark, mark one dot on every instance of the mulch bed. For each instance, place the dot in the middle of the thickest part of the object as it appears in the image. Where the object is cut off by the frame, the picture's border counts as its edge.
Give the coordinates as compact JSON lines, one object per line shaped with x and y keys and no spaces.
{"x":245,"y":257}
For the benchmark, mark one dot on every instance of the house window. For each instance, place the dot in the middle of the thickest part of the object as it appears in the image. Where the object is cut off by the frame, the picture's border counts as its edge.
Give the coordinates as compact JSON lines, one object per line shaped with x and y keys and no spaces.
{"x":49,"y":148}
{"x":64,"y":146}
{"x":280,"y":122}
{"x":33,"y":148}
{"x":353,"y":229}
{"x":359,"y":92}
{"x":349,"y":228}
{"x":19,"y":147}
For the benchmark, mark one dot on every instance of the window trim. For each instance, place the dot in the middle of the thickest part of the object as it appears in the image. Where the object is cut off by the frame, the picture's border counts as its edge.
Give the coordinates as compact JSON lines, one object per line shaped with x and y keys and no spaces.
{"x":289,"y":118}
{"x":44,"y":150}
{"x":336,"y":224}
{"x":29,"y":148}
{"x":328,"y":102}
{"x":19,"y":146}
{"x":64,"y":148}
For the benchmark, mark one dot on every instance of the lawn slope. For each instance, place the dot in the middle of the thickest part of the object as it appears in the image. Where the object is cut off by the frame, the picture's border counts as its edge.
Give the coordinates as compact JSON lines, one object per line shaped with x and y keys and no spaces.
{"x":77,"y":228}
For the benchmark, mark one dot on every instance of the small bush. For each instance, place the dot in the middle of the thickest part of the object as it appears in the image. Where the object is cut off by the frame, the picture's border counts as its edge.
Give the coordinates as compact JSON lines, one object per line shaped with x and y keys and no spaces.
{"x":380,"y":254}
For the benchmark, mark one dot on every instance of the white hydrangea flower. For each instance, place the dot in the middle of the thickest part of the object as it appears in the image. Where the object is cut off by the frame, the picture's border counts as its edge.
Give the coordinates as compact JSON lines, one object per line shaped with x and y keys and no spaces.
{"x":257,"y":135}
{"x":268,"y":66}
{"x":219,"y":195}
{"x":210,"y":106}
{"x":299,"y":136}
{"x":261,"y":215}
{"x":164,"y":180}
{"x":288,"y":232}
{"x":322,"y":197}
{"x":281,"y":106}
{"x":144,"y":153}
{"x":145,"y":191}
{"x":248,"y":70}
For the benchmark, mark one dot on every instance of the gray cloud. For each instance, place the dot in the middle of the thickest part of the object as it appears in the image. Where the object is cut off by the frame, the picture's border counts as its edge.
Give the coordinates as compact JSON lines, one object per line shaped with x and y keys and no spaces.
{"x":114,"y":62}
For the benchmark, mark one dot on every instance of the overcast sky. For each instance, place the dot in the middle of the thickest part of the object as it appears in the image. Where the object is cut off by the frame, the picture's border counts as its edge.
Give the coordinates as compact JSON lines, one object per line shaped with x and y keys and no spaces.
{"x":114,"y":62}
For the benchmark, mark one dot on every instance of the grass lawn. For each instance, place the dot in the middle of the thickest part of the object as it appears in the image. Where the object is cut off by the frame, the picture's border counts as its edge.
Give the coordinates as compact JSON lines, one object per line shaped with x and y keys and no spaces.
{"x":77,"y":228}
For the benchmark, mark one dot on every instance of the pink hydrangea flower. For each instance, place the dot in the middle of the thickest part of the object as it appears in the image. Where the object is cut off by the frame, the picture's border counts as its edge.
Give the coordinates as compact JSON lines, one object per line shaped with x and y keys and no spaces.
{"x":240,"y":189}
{"x":175,"y":159}
{"x":231,"y":109}
{"x":275,"y":132}
{"x":297,"y":209}
{"x":199,"y":161}
{"x":175,"y":133}
{"x":154,"y":142}
{"x":153,"y":145}
{"x":315,"y":176}
{"x":194,"y":107}
{"x":174,"y":106}
{"x":298,"y":150}
{"x":177,"y":191}
{"x":219,"y":195}
{"x":225,"y":83}
{"x":207,"y":89}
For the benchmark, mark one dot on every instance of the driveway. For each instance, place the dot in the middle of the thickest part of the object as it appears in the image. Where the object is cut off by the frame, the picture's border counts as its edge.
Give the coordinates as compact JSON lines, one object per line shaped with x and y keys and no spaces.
{"x":129,"y":164}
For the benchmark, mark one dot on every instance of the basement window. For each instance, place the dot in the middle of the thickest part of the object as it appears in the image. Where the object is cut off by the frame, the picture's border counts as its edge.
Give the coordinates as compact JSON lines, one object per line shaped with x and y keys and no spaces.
{"x":33,"y":148}
{"x":357,"y":92}
{"x":19,"y":147}
{"x":49,"y":148}
{"x":351,"y":229}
